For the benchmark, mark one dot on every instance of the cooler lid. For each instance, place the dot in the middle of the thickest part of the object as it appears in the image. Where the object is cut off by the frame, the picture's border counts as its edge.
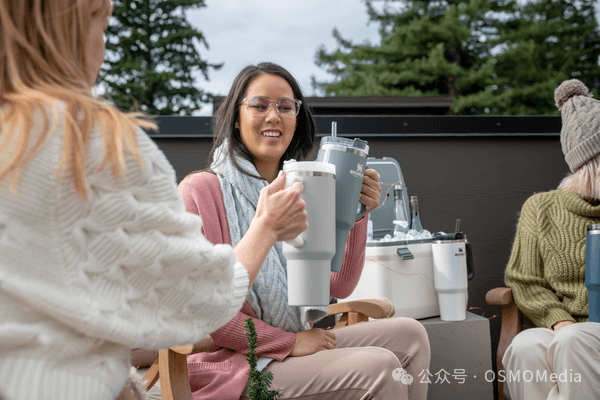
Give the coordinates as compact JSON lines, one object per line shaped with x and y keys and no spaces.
{"x":384,"y":215}
{"x":399,"y":243}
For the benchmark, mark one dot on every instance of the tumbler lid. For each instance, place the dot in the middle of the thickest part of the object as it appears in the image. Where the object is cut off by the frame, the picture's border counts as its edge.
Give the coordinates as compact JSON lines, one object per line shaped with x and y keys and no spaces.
{"x":449,"y":237}
{"x":356,"y":144}
{"x":291,"y":166}
{"x":593,"y":227}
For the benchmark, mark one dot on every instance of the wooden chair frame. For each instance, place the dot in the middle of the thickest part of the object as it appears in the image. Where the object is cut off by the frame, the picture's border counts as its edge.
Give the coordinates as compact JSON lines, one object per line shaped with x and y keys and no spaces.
{"x":170,"y":367}
{"x":513,"y":322}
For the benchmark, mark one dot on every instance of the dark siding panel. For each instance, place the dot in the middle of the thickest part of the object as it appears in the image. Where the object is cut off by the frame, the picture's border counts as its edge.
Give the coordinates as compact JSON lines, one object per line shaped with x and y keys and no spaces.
{"x":484,"y":181}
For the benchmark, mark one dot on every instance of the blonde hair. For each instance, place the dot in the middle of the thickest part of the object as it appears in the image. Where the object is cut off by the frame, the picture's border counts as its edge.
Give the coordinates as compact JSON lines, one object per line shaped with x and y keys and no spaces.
{"x":586,"y":180}
{"x":42,"y":62}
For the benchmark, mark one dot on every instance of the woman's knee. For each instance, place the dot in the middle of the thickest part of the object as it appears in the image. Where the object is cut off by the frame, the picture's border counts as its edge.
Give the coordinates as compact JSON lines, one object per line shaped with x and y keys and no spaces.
{"x":576,"y":338}
{"x":530,"y":343}
{"x":415,"y":340}
{"x":368,"y":361}
{"x":385,"y":360}
{"x":409,"y":329}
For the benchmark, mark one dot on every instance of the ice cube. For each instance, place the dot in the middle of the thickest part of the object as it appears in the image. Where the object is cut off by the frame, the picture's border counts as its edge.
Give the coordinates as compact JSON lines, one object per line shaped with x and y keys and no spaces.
{"x":399,"y":236}
{"x":425,"y":234}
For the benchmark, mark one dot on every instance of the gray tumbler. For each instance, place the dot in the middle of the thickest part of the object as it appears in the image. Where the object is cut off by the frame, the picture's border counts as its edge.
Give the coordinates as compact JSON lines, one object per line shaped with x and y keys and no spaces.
{"x":350,"y":158}
{"x":592,"y":270}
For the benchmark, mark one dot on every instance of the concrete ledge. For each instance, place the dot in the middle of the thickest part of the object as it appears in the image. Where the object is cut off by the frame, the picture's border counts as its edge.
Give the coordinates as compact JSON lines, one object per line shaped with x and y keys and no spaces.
{"x":461,"y":354}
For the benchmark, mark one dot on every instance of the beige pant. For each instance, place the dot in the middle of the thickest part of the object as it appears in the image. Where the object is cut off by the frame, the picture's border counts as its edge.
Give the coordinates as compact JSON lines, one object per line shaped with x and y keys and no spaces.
{"x":572,"y":354}
{"x":361,"y":365}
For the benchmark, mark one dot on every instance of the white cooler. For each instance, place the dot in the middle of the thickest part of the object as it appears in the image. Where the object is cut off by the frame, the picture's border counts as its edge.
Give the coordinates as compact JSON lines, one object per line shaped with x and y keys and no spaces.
{"x":402,"y":272}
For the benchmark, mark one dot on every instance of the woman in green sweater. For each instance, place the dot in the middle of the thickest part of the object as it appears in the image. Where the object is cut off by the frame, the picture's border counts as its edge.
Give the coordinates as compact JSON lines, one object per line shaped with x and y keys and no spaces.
{"x":561,"y":358}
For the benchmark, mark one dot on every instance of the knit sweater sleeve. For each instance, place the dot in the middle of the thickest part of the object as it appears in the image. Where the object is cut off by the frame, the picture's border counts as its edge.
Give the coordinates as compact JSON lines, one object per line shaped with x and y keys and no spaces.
{"x":273,"y":342}
{"x":202,"y":195}
{"x":525,"y":270}
{"x":128,"y":265}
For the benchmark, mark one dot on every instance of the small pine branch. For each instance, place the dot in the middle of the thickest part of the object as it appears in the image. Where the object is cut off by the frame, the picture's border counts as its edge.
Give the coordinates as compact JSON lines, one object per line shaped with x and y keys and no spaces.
{"x":259,"y":382}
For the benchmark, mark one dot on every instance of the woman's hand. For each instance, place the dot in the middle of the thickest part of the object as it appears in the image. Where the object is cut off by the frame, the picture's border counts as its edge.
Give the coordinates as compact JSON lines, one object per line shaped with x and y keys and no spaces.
{"x":561,"y":324}
{"x":370,"y":191}
{"x":281,"y":211}
{"x":312,"y":341}
{"x":280,"y":215}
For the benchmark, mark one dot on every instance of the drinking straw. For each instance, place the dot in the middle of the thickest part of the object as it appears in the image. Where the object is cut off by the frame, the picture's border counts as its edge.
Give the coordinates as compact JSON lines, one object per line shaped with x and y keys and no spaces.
{"x":333,"y":129}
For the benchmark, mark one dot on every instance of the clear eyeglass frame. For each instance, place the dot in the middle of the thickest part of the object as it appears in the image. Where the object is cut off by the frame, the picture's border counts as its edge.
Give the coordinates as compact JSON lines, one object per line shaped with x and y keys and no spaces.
{"x":283,"y":114}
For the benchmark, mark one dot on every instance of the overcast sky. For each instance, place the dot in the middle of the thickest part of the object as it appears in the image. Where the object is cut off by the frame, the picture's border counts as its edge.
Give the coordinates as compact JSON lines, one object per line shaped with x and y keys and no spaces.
{"x":242,"y":32}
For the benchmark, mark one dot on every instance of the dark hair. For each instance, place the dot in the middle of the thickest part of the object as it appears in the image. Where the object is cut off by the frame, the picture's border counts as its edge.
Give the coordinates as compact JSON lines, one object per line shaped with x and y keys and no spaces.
{"x":223,"y":123}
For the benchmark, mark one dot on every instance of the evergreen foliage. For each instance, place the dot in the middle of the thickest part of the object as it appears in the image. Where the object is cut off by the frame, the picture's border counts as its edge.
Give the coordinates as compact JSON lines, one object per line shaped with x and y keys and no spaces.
{"x":496,"y":56}
{"x":259,"y":382}
{"x":151,"y":55}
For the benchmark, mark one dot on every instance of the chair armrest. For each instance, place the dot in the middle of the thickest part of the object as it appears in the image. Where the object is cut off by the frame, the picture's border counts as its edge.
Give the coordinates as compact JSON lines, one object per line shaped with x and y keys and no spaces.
{"x":170,"y":366}
{"x":500,"y":296}
{"x":203,"y":345}
{"x":143,"y":358}
{"x":512,"y":324}
{"x":372,"y":308}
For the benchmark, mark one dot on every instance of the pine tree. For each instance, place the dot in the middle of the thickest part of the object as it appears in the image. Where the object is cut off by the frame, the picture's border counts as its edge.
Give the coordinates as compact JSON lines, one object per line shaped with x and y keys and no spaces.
{"x":541,"y":44}
{"x":426,"y":48}
{"x":152,"y":55}
{"x":259,"y":382}
{"x":495,"y":56}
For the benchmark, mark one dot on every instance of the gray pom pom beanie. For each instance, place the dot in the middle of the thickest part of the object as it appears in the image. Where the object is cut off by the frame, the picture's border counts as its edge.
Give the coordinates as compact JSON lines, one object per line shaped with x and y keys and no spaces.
{"x":580,"y":134}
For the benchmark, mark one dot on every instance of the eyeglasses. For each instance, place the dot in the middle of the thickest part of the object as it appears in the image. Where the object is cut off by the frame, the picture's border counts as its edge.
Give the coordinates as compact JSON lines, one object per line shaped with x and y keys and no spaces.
{"x":286,"y":108}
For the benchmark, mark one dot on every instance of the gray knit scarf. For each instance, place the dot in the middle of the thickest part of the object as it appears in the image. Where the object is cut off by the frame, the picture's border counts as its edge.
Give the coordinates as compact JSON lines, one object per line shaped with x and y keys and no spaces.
{"x":268,"y":296}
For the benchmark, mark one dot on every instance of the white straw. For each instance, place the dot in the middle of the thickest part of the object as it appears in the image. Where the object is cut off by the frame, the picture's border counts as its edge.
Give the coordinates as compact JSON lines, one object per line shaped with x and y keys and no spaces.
{"x":333,"y":129}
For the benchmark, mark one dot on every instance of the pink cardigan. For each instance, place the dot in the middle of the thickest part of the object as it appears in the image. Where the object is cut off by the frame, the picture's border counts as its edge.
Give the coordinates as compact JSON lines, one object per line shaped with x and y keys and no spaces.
{"x":222,"y":373}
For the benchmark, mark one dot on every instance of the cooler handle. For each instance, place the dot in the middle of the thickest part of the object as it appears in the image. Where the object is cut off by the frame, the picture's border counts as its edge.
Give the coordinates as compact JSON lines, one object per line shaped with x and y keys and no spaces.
{"x":405,"y":253}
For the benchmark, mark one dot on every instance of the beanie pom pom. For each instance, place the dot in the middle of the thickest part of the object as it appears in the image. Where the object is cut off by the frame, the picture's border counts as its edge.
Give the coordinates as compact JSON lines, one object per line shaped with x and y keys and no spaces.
{"x":568,"y":89}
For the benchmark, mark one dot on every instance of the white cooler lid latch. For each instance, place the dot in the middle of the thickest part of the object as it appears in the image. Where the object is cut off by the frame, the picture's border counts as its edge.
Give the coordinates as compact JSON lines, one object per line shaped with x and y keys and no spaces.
{"x":405,"y":253}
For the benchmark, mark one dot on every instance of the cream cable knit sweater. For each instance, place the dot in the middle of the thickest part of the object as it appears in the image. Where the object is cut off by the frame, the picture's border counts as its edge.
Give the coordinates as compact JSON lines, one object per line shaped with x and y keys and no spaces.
{"x":81,"y":283}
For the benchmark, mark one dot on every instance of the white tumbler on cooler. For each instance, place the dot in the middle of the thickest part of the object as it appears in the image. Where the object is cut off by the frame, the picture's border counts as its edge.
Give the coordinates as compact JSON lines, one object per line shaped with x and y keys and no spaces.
{"x":452,"y":262}
{"x":309,"y":255}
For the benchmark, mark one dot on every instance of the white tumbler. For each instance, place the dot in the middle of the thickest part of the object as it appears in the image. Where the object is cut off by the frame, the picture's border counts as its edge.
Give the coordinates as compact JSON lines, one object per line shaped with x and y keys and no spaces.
{"x":450,"y":259}
{"x":309,"y":255}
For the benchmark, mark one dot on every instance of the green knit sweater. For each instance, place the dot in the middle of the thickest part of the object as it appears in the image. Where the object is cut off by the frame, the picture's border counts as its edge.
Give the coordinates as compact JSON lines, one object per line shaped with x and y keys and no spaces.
{"x":546,"y":270}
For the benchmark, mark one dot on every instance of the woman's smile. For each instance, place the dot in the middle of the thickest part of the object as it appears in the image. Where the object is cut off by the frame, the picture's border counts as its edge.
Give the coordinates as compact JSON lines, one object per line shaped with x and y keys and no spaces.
{"x":272,"y":134}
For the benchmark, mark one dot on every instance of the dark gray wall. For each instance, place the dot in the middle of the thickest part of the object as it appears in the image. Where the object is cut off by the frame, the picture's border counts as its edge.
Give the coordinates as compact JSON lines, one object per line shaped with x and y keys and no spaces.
{"x":483,"y":180}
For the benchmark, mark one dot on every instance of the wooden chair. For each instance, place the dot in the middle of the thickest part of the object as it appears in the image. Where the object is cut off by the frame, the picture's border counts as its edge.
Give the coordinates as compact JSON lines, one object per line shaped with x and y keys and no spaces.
{"x":513,"y":322}
{"x":170,"y":366}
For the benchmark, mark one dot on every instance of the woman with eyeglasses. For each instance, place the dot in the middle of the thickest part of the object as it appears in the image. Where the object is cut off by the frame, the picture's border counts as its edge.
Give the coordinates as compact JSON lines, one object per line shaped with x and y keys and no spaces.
{"x":263,"y":121}
{"x":97,"y":253}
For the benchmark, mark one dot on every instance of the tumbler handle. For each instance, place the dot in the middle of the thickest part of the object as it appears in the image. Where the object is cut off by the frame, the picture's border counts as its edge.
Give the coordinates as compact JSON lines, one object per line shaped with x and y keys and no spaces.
{"x":360,"y":211}
{"x":297,"y":241}
{"x":470,"y":265}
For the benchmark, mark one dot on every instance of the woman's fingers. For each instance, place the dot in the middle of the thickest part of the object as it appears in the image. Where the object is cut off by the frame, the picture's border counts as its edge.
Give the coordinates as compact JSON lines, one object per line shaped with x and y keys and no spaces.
{"x":312,"y":341}
{"x":329,"y":339}
{"x":370,"y":190}
{"x":283,"y":209}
